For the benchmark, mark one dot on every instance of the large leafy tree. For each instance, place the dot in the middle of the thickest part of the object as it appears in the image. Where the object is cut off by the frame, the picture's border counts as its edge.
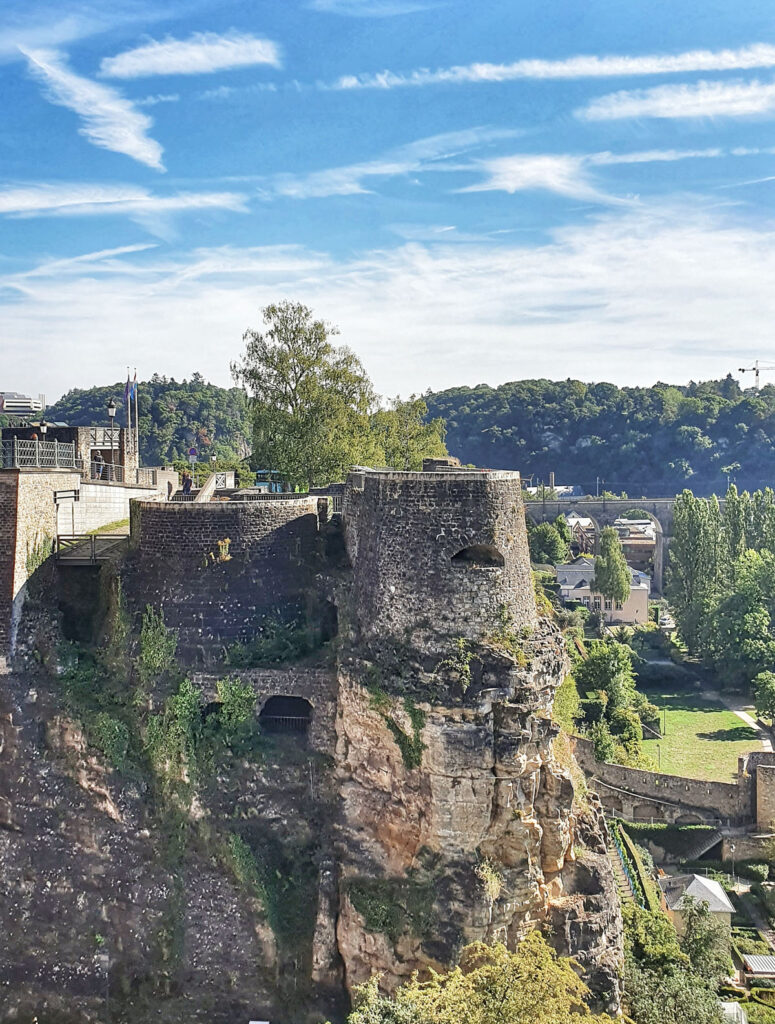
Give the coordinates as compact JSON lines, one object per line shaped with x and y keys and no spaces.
{"x":404,"y":437}
{"x":612,"y":574}
{"x":310,"y":400}
{"x":667,"y":981}
{"x":695,"y":560}
{"x":548,"y":544}
{"x":491,"y":985}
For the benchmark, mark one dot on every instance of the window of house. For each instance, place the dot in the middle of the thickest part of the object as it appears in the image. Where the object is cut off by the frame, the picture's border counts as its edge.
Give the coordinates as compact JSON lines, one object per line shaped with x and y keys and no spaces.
{"x":608,"y":605}
{"x":597,"y":604}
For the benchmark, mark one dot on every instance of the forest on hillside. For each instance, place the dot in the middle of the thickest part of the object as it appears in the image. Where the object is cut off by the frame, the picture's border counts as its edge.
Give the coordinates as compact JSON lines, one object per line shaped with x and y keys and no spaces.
{"x":645,"y":441}
{"x":173,"y":416}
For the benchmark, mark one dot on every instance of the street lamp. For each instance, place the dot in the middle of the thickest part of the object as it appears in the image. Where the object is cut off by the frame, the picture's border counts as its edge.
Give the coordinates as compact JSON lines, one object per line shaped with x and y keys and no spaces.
{"x":112,"y":411}
{"x":43,"y":428}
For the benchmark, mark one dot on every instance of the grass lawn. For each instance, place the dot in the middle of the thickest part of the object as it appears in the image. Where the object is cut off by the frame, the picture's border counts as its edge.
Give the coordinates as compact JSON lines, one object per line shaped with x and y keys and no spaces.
{"x":703,"y":739}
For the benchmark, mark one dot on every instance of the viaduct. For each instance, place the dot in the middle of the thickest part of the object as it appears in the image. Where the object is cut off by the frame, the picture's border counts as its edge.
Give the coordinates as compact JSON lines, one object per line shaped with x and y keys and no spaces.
{"x":604,"y":512}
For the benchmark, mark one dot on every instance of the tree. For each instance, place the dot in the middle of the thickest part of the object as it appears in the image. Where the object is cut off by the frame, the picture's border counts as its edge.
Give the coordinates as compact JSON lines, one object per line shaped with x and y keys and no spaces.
{"x":491,"y":985}
{"x":612,"y":574}
{"x":764,"y":694}
{"x":403,"y":436}
{"x":706,"y":941}
{"x":310,"y":400}
{"x":547,"y":547}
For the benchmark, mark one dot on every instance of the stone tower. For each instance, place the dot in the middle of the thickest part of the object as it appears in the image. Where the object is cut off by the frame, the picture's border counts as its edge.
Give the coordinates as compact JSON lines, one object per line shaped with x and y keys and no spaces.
{"x":445,"y":751}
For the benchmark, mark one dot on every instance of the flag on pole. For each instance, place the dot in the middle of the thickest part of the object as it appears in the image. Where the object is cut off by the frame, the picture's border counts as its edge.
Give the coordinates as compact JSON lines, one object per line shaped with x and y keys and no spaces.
{"x":128,"y":388}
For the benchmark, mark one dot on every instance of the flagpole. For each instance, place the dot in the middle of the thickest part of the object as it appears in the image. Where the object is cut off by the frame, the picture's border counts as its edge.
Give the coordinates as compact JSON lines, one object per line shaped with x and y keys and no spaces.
{"x":128,"y":402}
{"x":137,"y":424}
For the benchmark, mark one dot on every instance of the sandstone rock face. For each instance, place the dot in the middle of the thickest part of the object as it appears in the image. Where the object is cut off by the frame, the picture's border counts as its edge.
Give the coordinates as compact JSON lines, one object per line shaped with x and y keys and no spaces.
{"x":487,"y":789}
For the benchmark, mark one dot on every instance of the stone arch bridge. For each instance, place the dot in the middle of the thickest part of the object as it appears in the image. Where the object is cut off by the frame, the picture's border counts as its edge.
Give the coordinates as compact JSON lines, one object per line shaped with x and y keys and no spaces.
{"x":604,"y":511}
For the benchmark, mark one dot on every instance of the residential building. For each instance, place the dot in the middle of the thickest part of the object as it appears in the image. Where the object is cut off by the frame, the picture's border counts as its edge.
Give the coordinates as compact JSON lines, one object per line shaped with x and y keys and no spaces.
{"x":675,"y":889}
{"x":575,"y":580}
{"x":582,"y":533}
{"x":639,"y":540}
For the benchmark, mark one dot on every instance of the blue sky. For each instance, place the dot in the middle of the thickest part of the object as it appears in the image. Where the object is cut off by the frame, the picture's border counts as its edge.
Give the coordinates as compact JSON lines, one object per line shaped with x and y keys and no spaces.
{"x":472,"y":192}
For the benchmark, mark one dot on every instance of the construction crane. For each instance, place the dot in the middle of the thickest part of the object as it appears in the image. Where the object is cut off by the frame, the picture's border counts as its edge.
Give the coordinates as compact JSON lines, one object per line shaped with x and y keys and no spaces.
{"x":756,"y":369}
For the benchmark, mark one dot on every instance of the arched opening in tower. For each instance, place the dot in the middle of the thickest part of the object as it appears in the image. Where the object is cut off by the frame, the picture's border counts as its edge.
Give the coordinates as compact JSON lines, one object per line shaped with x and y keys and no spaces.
{"x":281,"y":715}
{"x":481,"y":556}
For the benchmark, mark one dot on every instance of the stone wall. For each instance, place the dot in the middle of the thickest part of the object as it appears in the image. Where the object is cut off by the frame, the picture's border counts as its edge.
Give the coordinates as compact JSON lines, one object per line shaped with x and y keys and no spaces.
{"x":642,"y":794}
{"x":27,"y":535}
{"x":182,"y":532}
{"x":402,"y":532}
{"x":317,"y":685}
{"x":218,"y":594}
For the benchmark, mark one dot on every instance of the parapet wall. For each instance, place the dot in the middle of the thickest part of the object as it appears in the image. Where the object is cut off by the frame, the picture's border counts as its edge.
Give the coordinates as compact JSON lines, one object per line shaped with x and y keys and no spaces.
{"x":403,"y":531}
{"x":642,"y":794}
{"x":186,"y":532}
{"x":215,"y":593}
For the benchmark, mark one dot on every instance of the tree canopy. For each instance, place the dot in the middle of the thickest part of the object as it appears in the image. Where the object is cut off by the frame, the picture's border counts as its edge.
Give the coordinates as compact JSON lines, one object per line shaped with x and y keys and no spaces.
{"x":721,"y":581}
{"x":313,"y":408}
{"x":612,"y":574}
{"x":310,"y":400}
{"x":645,"y":441}
{"x":489,"y":986}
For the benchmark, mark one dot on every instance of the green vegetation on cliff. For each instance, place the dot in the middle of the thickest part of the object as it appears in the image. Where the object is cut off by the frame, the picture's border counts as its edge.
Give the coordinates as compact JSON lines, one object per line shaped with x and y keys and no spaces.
{"x":491,"y":985}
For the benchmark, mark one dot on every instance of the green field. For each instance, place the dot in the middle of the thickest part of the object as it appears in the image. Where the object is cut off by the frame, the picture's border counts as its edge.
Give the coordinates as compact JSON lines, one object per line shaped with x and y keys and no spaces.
{"x":703,"y":739}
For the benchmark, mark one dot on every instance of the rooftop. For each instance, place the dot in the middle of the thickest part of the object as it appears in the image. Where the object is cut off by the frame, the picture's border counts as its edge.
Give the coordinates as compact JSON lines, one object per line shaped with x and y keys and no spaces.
{"x":705,"y":890}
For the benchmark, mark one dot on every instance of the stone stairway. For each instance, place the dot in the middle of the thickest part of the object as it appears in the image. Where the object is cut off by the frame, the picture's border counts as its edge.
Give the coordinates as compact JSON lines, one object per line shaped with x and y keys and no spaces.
{"x":626,"y":895}
{"x":707,"y":841}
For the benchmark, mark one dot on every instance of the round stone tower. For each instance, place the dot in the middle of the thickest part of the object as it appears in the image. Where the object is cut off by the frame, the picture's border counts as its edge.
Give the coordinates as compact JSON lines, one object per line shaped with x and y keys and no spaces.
{"x":443,"y":552}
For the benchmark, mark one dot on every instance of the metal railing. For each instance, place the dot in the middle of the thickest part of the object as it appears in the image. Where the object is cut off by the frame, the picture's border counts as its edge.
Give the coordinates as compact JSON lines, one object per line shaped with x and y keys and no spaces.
{"x":89,"y":548}
{"x":19,"y":454}
{"x":284,"y":723}
{"x":111,"y":472}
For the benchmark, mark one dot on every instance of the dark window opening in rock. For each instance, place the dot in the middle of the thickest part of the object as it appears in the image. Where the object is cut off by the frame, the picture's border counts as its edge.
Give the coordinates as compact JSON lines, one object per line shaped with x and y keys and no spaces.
{"x":479,"y":555}
{"x":286,"y":715}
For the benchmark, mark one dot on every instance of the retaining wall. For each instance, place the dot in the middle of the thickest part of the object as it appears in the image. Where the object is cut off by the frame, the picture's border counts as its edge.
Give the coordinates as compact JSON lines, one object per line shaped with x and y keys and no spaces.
{"x":318,"y":686}
{"x":643,"y":794}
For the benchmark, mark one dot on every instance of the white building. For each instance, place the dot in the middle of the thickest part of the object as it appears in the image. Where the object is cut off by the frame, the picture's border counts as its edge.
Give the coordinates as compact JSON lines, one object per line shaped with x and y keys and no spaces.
{"x":575,"y":580}
{"x":675,"y":889}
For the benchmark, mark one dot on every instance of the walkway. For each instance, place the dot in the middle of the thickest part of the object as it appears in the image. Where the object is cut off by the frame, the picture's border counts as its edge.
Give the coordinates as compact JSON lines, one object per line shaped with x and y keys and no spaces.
{"x":734,"y":704}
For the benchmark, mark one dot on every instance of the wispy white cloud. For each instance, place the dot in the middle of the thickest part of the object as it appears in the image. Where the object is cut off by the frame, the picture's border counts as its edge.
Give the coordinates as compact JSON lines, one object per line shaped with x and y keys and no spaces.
{"x":636,"y":295}
{"x":41,"y":24}
{"x":702,"y":99}
{"x":371,"y":8}
{"x":202,"y":53}
{"x":109,"y":120}
{"x":151,"y":211}
{"x":562,"y":174}
{"x":225,"y":92}
{"x":570,"y":175}
{"x":163,"y":97}
{"x":758,"y":55}
{"x":430,"y":154}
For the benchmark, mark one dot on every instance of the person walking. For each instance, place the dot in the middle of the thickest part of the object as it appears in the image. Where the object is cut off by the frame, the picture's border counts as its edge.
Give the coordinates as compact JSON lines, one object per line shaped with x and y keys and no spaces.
{"x":187,"y":481}
{"x":97,"y":465}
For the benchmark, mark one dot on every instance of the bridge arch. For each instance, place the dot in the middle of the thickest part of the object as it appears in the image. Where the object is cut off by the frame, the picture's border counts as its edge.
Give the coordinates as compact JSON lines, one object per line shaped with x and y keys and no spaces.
{"x":604,"y":511}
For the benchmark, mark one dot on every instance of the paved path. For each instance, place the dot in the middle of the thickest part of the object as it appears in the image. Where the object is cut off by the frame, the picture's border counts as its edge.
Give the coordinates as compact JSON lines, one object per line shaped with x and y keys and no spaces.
{"x":735,"y":705}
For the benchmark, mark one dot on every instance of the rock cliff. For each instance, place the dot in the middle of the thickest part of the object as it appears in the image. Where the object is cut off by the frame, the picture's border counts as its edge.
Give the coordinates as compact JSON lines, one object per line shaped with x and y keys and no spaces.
{"x":156,"y":870}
